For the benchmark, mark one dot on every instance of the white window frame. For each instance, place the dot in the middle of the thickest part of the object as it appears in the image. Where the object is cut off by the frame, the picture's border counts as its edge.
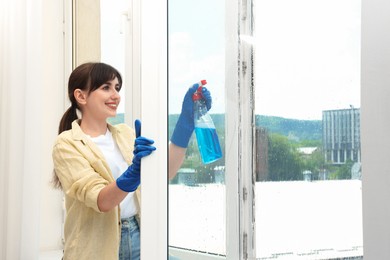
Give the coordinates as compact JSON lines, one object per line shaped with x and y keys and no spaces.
{"x":240,"y":179}
{"x":133,"y":61}
{"x":153,"y":79}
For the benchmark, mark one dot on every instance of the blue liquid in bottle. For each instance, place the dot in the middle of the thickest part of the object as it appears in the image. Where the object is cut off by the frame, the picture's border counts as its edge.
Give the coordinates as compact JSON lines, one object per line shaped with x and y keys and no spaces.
{"x":208,"y":143}
{"x":206,"y":135}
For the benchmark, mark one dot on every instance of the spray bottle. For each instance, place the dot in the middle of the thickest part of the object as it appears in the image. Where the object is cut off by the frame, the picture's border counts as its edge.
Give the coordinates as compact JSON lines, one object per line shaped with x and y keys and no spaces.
{"x":206,"y":134}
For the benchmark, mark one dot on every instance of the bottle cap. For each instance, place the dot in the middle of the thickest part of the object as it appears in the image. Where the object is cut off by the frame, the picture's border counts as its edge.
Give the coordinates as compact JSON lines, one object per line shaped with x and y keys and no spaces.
{"x":198,"y":94}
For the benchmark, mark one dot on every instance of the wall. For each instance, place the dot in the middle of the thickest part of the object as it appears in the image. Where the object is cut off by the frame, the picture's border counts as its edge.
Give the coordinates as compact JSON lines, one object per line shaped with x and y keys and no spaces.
{"x":375,"y":128}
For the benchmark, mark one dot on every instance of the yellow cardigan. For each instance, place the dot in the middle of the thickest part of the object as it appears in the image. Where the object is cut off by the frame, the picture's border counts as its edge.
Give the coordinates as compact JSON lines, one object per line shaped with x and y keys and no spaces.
{"x":83,"y":172}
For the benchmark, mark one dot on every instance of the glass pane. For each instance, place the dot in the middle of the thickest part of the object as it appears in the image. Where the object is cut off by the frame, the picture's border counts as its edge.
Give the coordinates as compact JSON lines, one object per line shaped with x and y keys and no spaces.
{"x":308,"y":189}
{"x":112,"y":27}
{"x":197,"y":193}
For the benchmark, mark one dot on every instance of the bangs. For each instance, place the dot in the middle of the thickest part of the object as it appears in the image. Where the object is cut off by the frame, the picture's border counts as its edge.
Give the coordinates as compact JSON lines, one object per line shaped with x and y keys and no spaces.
{"x":102,"y":73}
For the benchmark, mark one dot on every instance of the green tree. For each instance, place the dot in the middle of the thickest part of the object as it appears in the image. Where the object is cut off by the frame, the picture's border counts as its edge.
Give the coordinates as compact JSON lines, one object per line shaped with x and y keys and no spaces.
{"x":315,"y":163}
{"x":310,"y":143}
{"x":284,"y":161}
{"x":341,"y":172}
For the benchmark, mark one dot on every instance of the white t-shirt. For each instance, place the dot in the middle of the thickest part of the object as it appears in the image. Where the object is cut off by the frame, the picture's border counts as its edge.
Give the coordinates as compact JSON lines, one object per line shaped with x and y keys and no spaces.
{"x":118,"y":166}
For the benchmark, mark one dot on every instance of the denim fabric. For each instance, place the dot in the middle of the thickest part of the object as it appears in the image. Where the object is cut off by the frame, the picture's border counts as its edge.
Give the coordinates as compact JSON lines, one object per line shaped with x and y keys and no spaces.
{"x":130,"y":240}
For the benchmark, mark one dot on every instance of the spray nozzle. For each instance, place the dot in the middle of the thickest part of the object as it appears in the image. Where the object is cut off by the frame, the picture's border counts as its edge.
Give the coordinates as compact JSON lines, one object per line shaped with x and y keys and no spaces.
{"x":198,"y":94}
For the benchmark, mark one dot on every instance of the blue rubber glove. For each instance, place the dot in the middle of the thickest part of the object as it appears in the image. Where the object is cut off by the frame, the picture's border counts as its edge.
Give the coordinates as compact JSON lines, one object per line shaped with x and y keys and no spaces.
{"x":131,"y":178}
{"x":185,"y":124}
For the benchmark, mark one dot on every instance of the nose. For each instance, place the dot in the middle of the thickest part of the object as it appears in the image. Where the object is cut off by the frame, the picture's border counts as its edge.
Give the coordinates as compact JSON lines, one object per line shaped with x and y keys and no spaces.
{"x":116,"y":93}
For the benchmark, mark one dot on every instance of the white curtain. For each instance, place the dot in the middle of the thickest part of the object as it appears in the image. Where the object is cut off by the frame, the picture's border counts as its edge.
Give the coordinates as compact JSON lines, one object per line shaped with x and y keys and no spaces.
{"x":31,"y":99}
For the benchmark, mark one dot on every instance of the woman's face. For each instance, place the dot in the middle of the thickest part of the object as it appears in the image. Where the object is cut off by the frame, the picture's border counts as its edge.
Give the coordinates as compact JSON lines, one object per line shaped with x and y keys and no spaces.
{"x":103,"y":102}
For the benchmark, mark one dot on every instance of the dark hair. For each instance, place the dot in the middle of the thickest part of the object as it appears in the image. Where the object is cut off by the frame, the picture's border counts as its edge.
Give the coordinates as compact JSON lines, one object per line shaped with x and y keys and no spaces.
{"x":89,"y":77}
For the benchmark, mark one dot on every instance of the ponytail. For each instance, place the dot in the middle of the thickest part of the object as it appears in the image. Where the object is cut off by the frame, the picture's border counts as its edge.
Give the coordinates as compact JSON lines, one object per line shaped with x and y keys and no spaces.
{"x":65,"y":124}
{"x":55,"y":181}
{"x":66,"y":121}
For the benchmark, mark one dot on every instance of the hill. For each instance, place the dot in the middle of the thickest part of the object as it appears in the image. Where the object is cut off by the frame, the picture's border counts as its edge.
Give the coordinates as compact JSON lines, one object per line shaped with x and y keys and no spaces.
{"x":293,"y":128}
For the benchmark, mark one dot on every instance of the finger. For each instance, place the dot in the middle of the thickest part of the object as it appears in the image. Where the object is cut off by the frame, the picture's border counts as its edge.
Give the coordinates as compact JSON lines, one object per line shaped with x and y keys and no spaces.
{"x":145,"y":147}
{"x":207,"y":97}
{"x":141,"y":148}
{"x":137,"y":124}
{"x":136,"y":165}
{"x":206,"y":93}
{"x":143,"y":141}
{"x":138,"y":156}
{"x":192,"y":90}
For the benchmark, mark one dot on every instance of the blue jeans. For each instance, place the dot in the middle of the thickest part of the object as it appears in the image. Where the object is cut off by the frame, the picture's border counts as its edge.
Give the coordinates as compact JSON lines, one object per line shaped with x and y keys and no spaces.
{"x":130,"y":240}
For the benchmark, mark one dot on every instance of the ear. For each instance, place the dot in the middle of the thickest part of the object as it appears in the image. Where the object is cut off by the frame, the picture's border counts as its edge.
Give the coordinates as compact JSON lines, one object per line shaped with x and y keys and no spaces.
{"x":80,"y":96}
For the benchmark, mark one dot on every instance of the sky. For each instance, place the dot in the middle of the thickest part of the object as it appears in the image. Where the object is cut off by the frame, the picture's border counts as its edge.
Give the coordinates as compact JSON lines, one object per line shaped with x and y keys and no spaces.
{"x":307,"y":53}
{"x":196,"y":50}
{"x":308,"y":57}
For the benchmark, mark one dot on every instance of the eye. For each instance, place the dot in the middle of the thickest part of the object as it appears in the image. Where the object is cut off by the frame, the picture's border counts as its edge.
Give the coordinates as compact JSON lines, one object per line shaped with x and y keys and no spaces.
{"x":105,"y":87}
{"x":117,"y":88}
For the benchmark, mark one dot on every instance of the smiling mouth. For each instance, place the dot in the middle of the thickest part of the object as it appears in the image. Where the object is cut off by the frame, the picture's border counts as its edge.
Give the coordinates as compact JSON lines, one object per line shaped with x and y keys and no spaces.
{"x":112,"y":105}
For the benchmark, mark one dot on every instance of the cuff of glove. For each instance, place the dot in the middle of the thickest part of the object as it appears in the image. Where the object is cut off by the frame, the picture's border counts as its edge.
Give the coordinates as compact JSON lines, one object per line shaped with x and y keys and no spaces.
{"x":181,"y":135}
{"x":127,"y":185}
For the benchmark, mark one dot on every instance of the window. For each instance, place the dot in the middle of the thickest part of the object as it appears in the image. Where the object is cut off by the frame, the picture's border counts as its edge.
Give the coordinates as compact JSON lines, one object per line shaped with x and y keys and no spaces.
{"x":197,"y":195}
{"x":306,"y":82}
{"x":308,"y":166}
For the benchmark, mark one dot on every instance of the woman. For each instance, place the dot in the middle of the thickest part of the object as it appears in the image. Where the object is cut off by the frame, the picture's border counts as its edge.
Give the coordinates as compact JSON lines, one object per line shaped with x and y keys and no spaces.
{"x":91,"y":164}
